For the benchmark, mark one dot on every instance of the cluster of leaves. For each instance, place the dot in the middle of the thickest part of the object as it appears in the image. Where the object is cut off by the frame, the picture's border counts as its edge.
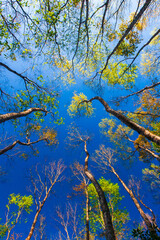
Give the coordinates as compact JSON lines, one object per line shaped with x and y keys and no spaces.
{"x":16,"y":207}
{"x":22,"y":202}
{"x":120,"y":74}
{"x":131,"y":42}
{"x":8,"y":42}
{"x":37,"y":98}
{"x":119,"y":216}
{"x":79,"y":106}
{"x":117,"y":134}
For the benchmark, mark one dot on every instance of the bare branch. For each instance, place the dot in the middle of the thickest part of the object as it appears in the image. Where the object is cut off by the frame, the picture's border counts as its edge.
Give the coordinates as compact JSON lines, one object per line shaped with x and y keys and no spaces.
{"x":26,"y":79}
{"x":6,"y":149}
{"x":140,"y":91}
{"x":57,"y":169}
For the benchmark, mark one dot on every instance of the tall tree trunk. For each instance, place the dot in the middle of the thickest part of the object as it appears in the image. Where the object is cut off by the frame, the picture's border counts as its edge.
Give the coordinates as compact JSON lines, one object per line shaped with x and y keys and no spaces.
{"x":87,"y":213}
{"x":149,"y":224}
{"x":141,"y":130}
{"x":38,"y":212}
{"x":109,"y":230}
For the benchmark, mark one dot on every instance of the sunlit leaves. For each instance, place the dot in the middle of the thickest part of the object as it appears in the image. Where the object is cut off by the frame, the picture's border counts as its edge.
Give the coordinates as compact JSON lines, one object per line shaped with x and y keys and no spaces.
{"x":3,"y":231}
{"x":16,"y":207}
{"x":120,"y":74}
{"x":148,"y":109}
{"x":22,"y":202}
{"x":111,"y":129}
{"x":79,"y":106}
{"x":119,"y":216}
{"x":117,"y":134}
{"x":50,"y":135}
{"x":140,"y":145}
{"x":130,"y":44}
{"x":64,"y":66}
{"x":36,"y":98}
{"x":150,"y":57}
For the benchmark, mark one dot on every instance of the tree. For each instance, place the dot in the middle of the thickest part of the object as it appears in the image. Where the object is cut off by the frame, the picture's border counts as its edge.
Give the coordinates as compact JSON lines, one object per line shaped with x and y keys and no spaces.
{"x":74,"y":107}
{"x":105,"y":158}
{"x":102,"y":42}
{"x":109,"y":233}
{"x":16,"y":207}
{"x":42,"y":188}
{"x":78,"y":171}
{"x":119,"y":216}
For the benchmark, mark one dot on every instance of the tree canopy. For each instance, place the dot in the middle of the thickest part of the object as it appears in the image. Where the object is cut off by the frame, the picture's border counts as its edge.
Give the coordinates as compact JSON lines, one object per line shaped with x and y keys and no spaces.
{"x":97,"y":63}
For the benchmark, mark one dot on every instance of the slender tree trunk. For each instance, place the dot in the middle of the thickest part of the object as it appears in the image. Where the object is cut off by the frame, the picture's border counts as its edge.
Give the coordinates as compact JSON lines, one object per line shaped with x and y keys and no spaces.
{"x":129,"y":28}
{"x":109,"y":230}
{"x":14,"y":115}
{"x":38,"y":212}
{"x":149,"y":225}
{"x":87,"y":213}
{"x":145,"y":149}
{"x":141,"y":130}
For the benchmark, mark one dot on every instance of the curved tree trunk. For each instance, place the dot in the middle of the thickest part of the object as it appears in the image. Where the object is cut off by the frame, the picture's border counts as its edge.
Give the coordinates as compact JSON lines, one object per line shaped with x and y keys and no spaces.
{"x":141,"y":130}
{"x":14,"y":115}
{"x":9,"y":147}
{"x":109,"y":230}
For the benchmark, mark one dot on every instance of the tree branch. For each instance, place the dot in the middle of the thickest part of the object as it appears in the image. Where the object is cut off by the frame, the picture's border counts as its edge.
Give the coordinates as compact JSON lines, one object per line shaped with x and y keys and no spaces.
{"x":132,"y":24}
{"x":141,"y":130}
{"x":6,"y":149}
{"x":14,"y":115}
{"x":26,"y":79}
{"x":140,"y":91}
{"x":144,"y":148}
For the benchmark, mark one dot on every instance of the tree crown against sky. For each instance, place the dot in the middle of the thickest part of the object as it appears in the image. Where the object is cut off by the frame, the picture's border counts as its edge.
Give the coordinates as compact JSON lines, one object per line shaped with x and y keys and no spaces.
{"x":48,"y":45}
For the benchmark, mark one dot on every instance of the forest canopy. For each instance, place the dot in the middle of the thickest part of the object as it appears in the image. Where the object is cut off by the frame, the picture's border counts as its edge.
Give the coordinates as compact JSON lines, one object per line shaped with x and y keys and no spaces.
{"x":95,"y":63}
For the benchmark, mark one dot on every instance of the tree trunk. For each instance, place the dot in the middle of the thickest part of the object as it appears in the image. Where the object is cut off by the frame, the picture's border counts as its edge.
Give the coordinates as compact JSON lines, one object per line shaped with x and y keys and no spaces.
{"x":109,"y":230}
{"x":149,"y":225}
{"x":13,"y":115}
{"x":87,"y":213}
{"x":38,"y":212}
{"x":141,"y":130}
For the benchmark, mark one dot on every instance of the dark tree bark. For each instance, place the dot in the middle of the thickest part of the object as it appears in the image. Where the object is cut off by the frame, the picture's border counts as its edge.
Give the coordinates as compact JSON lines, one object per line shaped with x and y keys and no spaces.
{"x":130,"y":27}
{"x":6,"y":149}
{"x":141,"y":130}
{"x":109,"y":230}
